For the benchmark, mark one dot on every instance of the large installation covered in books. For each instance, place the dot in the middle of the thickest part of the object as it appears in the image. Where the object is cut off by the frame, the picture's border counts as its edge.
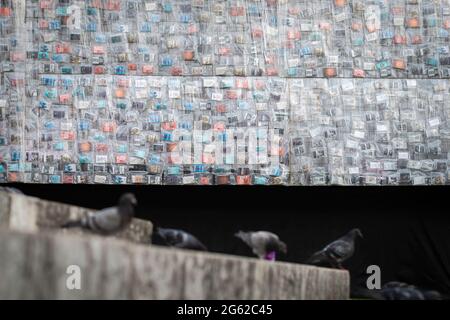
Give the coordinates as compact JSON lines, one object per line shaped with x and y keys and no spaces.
{"x":262,"y":92}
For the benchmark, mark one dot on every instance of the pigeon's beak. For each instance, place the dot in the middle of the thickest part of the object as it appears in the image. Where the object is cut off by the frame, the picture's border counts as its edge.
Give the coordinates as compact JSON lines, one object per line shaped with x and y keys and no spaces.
{"x":360,"y":234}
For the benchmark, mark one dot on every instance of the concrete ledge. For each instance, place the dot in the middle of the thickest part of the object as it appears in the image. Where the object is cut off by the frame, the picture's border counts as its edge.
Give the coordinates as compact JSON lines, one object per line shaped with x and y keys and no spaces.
{"x":24,"y":213}
{"x":34,"y":265}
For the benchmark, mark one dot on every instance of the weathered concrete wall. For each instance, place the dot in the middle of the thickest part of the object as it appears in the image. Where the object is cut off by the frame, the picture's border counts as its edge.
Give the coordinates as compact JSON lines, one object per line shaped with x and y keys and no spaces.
{"x":35,"y":254}
{"x":24,"y":213}
{"x":33,"y":266}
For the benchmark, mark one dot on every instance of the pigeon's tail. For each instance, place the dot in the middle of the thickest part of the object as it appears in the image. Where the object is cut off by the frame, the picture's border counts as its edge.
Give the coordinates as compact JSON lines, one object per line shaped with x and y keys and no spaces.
{"x":203,"y":247}
{"x":200,"y":246}
{"x":73,"y":224}
{"x":193,"y":244}
{"x":282,"y":247}
{"x":318,"y":258}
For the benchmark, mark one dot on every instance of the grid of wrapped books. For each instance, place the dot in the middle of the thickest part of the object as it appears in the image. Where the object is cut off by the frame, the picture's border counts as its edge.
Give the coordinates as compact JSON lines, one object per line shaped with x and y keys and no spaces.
{"x":250,"y":92}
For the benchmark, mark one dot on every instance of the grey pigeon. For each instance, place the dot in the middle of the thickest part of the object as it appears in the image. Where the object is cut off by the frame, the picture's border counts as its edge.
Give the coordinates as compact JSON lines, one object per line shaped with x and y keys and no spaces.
{"x":336,"y":252}
{"x":180,"y":239}
{"x":109,"y":220}
{"x":11,"y":190}
{"x":264,"y":244}
{"x":402,"y":291}
{"x":397,"y":291}
{"x":402,"y":294}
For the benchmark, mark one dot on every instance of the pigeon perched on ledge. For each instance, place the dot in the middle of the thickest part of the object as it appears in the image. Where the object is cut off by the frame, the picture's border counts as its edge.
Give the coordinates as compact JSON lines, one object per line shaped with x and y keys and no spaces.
{"x":336,"y":252}
{"x":264,"y":244}
{"x":109,"y":220}
{"x":180,"y":239}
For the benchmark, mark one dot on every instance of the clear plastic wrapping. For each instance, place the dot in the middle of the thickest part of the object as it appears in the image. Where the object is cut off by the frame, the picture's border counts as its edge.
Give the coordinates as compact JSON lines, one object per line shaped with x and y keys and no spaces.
{"x":279,"y":92}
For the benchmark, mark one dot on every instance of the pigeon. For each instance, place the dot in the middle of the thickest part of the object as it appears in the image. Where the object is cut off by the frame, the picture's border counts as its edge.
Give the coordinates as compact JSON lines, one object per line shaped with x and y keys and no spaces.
{"x":264,"y":244}
{"x":180,"y":239}
{"x":336,"y":252}
{"x":108,"y":221}
{"x":397,"y":291}
{"x":402,"y":291}
{"x":11,"y":190}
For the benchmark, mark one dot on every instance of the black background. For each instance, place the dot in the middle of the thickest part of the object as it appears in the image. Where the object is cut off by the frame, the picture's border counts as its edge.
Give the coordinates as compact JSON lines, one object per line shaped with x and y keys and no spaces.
{"x":406,"y":230}
{"x":355,"y":309}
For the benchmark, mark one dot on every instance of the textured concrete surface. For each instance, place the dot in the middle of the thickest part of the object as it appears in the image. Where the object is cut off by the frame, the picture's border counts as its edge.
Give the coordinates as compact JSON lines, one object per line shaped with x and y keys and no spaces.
{"x":34,"y":265}
{"x":24,"y":213}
